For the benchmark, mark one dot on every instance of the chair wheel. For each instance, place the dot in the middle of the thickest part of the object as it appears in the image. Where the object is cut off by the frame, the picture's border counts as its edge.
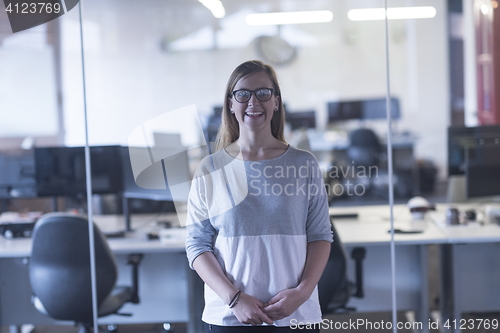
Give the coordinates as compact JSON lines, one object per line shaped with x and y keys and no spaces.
{"x":111,"y":328}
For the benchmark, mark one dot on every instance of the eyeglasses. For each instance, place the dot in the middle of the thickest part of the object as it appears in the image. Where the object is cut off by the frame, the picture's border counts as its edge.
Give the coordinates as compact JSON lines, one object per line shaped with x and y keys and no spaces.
{"x":244,"y":95}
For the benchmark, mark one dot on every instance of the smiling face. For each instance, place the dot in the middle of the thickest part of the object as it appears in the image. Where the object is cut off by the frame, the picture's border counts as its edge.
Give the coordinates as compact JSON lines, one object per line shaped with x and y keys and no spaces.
{"x":254,"y":115}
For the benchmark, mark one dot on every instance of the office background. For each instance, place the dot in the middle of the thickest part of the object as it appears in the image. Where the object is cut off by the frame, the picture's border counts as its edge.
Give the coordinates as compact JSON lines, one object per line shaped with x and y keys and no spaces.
{"x":145,"y":59}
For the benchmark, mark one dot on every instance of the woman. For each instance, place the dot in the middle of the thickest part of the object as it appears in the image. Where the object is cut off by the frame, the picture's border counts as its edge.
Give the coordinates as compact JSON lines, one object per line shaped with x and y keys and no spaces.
{"x":258,"y":225}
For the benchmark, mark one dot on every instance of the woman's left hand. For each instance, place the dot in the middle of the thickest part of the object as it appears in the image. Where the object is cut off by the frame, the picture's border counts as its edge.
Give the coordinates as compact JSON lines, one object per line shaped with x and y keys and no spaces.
{"x":285,"y":303}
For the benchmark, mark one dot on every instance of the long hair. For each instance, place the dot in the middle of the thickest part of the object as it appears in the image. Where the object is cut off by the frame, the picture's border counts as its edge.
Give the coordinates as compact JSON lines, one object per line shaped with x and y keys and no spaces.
{"x":229,"y":130}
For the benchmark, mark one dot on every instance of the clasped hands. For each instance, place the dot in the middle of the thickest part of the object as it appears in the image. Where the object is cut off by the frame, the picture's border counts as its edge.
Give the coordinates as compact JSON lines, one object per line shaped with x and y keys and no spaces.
{"x":250,"y":310}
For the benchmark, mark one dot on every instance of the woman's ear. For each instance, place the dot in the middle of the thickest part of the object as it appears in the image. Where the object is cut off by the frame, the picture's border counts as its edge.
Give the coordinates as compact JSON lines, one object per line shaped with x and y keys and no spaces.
{"x":277,"y":103}
{"x":230,"y":104}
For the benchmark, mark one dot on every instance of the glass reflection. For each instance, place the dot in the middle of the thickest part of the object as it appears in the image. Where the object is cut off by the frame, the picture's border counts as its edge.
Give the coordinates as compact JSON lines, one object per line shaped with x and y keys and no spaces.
{"x":147,"y":60}
{"x":31,"y":106}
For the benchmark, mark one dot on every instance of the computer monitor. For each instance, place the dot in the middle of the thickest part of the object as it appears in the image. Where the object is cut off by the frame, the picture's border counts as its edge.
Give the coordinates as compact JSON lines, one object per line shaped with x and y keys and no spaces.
{"x":376,"y":108}
{"x":132,"y":190}
{"x":366,"y":109}
{"x":60,"y":171}
{"x":483,"y":171}
{"x":17,"y":175}
{"x":167,"y":179}
{"x":462,"y":139}
{"x":302,"y":119}
{"x":347,"y":110}
{"x":213,"y":124}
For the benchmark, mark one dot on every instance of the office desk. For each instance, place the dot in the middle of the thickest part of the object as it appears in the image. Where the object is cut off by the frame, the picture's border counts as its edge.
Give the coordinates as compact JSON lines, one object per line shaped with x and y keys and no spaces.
{"x":170,"y":291}
{"x":470,"y":266}
{"x":370,"y":230}
{"x":164,"y":278}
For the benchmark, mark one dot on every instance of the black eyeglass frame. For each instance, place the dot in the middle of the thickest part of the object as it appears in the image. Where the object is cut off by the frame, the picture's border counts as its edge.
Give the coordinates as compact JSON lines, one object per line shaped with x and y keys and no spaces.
{"x":253,"y":92}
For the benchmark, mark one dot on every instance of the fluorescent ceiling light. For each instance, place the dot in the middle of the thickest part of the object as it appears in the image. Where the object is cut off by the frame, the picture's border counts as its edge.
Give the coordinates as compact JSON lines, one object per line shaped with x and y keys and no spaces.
{"x":233,"y":33}
{"x":485,"y":9}
{"x":395,"y":13}
{"x":317,"y":16}
{"x":215,"y":7}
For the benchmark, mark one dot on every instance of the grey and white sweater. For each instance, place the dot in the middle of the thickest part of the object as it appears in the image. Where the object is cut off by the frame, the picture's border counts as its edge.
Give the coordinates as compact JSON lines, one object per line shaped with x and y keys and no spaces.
{"x":257,"y":218}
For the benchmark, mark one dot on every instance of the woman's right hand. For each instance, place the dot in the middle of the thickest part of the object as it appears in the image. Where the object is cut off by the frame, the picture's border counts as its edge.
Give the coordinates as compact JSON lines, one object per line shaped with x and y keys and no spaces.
{"x":248,"y":310}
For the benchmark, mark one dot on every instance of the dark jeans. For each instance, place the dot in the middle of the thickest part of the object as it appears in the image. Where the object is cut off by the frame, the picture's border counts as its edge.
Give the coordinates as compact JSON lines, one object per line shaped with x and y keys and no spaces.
{"x":209,"y":328}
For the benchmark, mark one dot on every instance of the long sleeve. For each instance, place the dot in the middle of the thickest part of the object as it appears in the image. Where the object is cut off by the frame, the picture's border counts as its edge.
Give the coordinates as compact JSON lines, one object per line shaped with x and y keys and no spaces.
{"x":257,"y":218}
{"x":200,"y":232}
{"x":318,"y":218}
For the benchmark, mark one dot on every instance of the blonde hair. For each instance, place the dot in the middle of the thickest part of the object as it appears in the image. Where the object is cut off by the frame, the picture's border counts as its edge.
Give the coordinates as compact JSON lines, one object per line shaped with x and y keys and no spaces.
{"x":229,"y":130}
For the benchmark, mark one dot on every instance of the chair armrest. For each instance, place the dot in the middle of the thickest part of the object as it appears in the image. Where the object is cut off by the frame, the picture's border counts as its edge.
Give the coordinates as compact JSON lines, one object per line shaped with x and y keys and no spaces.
{"x":134,"y":260}
{"x":358,"y":254}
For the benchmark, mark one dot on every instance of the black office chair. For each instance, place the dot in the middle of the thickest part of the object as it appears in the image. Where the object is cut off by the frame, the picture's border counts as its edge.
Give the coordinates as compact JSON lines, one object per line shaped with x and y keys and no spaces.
{"x":59,"y":271}
{"x":364,"y":152}
{"x":334,"y":288}
{"x":365,"y":148}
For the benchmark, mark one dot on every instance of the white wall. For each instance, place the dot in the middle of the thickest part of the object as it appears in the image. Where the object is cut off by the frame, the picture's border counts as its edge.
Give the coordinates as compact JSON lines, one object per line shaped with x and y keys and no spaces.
{"x":130,"y":79}
{"x":28,"y":99}
{"x":427,"y":110}
{"x":470,"y":79}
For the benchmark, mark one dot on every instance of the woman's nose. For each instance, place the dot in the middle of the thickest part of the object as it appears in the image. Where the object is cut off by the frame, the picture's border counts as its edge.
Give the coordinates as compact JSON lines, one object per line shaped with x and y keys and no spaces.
{"x":253,"y":99}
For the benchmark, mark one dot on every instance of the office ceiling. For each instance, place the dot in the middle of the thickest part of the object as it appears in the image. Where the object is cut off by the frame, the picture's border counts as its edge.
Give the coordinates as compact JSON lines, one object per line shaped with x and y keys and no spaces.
{"x":188,"y":20}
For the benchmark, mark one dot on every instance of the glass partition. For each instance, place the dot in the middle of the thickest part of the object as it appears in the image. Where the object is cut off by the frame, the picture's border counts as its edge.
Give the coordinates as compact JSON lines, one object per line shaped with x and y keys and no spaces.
{"x":464,"y":151}
{"x":442,"y":67}
{"x":420,"y":76}
{"x":35,"y":92}
{"x":155,"y":75}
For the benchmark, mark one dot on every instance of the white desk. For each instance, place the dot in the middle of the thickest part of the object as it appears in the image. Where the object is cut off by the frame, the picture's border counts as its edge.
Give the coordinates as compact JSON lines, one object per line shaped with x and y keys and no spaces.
{"x":470,"y":264}
{"x":373,"y":224}
{"x":165,"y":277}
{"x":471,"y":267}
{"x":466,"y":234}
{"x":370,"y":230}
